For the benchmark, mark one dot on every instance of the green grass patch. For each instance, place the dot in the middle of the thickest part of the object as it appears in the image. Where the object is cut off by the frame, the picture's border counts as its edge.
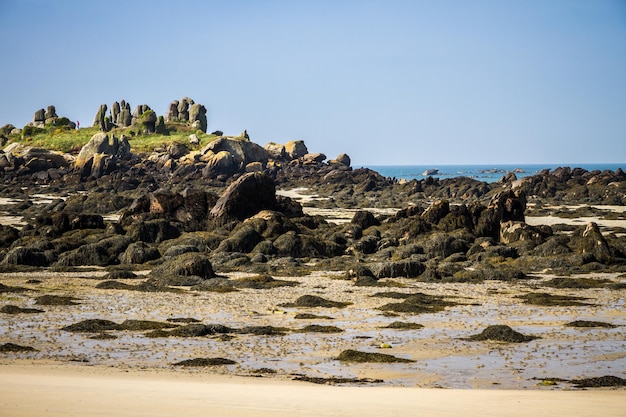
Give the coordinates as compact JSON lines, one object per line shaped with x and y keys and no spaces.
{"x":72,"y":140}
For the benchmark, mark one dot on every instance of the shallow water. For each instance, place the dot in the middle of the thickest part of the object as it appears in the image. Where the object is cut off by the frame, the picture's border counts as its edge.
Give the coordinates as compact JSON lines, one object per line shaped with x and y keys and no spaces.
{"x":442,"y":358}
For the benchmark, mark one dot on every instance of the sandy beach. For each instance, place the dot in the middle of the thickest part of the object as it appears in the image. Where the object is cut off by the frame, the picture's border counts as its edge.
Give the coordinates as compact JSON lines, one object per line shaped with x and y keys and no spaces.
{"x":28,"y":390}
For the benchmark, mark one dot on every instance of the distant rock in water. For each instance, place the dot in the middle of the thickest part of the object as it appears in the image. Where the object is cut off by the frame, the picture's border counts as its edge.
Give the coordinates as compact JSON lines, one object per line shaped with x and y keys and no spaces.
{"x":432,"y":171}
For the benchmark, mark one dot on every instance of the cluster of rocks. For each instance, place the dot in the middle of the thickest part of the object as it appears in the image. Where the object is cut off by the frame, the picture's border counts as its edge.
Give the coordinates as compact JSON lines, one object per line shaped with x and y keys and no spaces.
{"x":186,"y":110}
{"x":120,"y":116}
{"x":220,"y":204}
{"x":41,"y":119}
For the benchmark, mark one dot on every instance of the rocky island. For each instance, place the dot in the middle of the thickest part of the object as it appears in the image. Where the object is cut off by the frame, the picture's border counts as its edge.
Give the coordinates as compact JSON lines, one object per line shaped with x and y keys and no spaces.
{"x":144,"y":241}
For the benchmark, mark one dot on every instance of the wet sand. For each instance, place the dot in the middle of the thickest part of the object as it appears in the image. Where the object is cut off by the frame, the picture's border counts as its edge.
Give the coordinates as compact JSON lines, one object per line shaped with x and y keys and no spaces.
{"x":442,"y":356}
{"x":28,"y":390}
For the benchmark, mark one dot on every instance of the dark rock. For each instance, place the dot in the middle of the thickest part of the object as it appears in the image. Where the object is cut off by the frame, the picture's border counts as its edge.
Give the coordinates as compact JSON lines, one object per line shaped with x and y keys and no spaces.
{"x":244,"y":198}
{"x":364,"y":219}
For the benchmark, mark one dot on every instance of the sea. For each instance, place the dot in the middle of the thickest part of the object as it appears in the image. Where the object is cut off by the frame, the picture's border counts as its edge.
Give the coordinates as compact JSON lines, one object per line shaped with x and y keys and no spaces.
{"x":486,"y":173}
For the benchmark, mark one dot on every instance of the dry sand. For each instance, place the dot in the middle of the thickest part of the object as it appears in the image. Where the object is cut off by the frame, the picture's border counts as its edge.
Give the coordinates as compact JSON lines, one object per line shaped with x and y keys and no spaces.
{"x":51,"y":390}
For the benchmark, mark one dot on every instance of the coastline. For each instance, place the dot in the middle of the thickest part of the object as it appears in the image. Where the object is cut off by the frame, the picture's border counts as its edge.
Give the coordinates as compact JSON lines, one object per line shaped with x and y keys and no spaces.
{"x":63,"y":390}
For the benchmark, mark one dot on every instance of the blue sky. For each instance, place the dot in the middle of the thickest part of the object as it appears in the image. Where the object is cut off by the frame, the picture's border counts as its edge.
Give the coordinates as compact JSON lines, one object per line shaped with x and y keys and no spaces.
{"x":387,"y":82}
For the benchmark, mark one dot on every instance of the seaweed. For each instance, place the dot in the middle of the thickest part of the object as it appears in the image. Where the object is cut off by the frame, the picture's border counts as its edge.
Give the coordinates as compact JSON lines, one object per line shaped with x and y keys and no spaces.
{"x":12,"y":347}
{"x":264,"y":330}
{"x":7,"y":288}
{"x":598,"y":382}
{"x":337,"y":381}
{"x":501,"y":333}
{"x":56,"y":300}
{"x":351,"y":355}
{"x":11,"y":309}
{"x":545,"y":299}
{"x":205,"y":362}
{"x":315,"y":301}
{"x":587,"y":323}
{"x":92,"y":326}
{"x":316,"y":328}
{"x":192,"y":330}
{"x":576,"y":283}
{"x":400,"y":325}
{"x":418,"y":303}
{"x":310,"y":316}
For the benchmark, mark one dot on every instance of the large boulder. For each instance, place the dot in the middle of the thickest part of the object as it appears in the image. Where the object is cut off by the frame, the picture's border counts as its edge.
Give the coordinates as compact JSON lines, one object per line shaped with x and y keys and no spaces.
{"x":220,"y":163}
{"x":39,"y":118}
{"x":342,"y":159}
{"x":242,"y":152}
{"x":511,"y":232}
{"x":172,"y":112}
{"x":50,"y":115}
{"x":104,"y":145}
{"x":275,"y":150}
{"x":509,"y":205}
{"x":296,"y":149}
{"x":197,"y":114}
{"x":591,"y":241}
{"x":244,"y":198}
{"x":35,"y":159}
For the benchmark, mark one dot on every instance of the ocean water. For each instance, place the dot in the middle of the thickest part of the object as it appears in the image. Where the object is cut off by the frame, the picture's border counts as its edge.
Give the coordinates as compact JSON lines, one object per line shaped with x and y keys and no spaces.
{"x":486,"y":173}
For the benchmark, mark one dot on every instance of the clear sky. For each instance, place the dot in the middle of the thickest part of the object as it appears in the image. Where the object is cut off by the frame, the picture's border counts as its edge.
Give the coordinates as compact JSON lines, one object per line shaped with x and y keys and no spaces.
{"x":387,"y":82}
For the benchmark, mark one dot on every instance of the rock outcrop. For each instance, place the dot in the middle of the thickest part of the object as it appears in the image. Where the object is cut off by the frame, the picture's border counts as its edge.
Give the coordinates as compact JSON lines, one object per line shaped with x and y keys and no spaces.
{"x":100,"y":155}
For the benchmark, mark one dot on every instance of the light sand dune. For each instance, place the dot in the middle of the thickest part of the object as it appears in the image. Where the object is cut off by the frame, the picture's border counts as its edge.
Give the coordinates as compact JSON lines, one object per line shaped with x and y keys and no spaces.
{"x":52,"y":390}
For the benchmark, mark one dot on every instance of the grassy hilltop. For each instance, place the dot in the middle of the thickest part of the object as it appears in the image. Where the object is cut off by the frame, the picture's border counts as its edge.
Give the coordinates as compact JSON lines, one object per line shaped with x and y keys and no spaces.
{"x":65,"y":139}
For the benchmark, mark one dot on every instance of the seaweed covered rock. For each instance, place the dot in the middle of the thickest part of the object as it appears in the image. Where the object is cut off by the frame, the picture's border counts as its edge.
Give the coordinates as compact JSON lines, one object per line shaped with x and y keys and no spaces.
{"x":408,"y":268}
{"x":139,"y":253}
{"x":203,"y":362}
{"x":152,"y":231}
{"x":187,"y":264}
{"x":501,"y":333}
{"x":26,"y":256}
{"x":591,"y":241}
{"x":351,"y":355}
{"x":315,"y":301}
